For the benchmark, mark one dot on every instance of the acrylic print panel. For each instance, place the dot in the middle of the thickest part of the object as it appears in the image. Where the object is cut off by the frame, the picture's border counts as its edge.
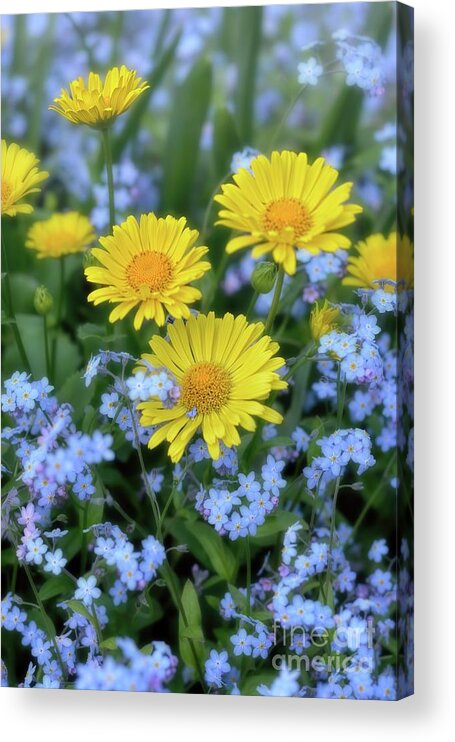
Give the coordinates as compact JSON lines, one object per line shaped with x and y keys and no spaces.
{"x":207,"y":351}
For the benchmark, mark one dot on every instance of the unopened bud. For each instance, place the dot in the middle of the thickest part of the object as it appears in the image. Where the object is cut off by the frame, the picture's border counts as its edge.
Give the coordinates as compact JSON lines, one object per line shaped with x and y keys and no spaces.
{"x":43,"y":301}
{"x":263,"y":278}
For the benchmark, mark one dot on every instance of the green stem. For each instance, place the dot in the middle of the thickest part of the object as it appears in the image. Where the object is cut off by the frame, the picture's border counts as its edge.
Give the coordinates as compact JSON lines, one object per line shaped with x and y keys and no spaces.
{"x":371,"y":500}
{"x":209,"y":207}
{"x":248,"y":575}
{"x":341,"y":396}
{"x":148,"y":489}
{"x":216,"y":279}
{"x":275,"y":301}
{"x":11,"y":312}
{"x":59,"y":316}
{"x":106,"y":136}
{"x":46,"y":347}
{"x":252,"y":303}
{"x":332,"y":525}
{"x":285,"y":116}
{"x":167,"y":505}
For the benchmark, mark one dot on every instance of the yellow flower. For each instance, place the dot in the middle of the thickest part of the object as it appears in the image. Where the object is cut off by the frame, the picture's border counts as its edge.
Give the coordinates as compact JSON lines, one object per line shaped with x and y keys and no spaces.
{"x":382,"y":259}
{"x":323,"y":319}
{"x":20,"y":176}
{"x":284,"y":205}
{"x":96,"y":103}
{"x":149,"y":264}
{"x":62,"y":234}
{"x":224,"y":370}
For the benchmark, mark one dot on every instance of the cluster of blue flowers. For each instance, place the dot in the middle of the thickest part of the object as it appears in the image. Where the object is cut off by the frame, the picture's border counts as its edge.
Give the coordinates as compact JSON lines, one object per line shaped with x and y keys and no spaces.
{"x":137,"y":670}
{"x":120,"y":402}
{"x":338,"y":450}
{"x":134,"y":569}
{"x":239,"y":511}
{"x":55,"y":462}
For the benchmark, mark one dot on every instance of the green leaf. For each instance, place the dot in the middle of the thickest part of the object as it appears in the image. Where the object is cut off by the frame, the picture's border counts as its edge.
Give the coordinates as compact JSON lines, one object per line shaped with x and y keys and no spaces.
{"x":226,"y":141}
{"x":185,"y":127}
{"x":91,"y":330}
{"x":96,"y":506}
{"x":249,"y":687}
{"x":221,"y":558}
{"x":31,"y":329}
{"x":239,"y":598}
{"x":23,"y":287}
{"x":275,"y":524}
{"x":77,"y":394}
{"x":248,"y":42}
{"x":278,"y":440}
{"x":110,"y":643}
{"x":154,"y":78}
{"x":78,"y":607}
{"x":57,"y":585}
{"x":190,"y":628}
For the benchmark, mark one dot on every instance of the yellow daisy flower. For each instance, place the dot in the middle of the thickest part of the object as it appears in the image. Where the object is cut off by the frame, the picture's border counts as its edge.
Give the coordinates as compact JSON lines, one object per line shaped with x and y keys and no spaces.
{"x":224,"y":369}
{"x":62,"y":234}
{"x":284,"y":205}
{"x":95,"y":102}
{"x":379,"y":258}
{"x":323,"y":318}
{"x":148,"y":265}
{"x":20,"y":176}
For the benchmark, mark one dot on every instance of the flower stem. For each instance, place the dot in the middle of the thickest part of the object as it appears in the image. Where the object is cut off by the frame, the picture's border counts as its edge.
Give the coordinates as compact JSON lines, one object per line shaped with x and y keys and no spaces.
{"x":248,"y":575}
{"x":332,"y":528}
{"x":341,"y":396}
{"x":275,"y":301}
{"x":106,"y":136}
{"x":46,"y":347}
{"x":11,"y":312}
{"x":252,"y":303}
{"x":285,"y":116}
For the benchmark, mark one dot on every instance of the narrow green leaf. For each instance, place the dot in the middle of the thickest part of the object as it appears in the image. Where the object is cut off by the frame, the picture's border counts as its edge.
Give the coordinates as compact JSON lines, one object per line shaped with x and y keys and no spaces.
{"x":226,"y":141}
{"x":110,"y":643}
{"x":78,"y":607}
{"x":59,"y":585}
{"x":275,"y":524}
{"x":76,"y":393}
{"x":221,"y":557}
{"x":185,"y":127}
{"x":137,"y":112}
{"x":190,"y":630}
{"x":248,"y":41}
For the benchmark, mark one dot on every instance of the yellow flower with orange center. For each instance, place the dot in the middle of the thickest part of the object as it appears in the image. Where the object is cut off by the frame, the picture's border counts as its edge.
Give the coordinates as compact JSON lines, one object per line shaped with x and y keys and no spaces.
{"x":20,"y":177}
{"x":225,"y":369}
{"x":285,"y":204}
{"x":379,"y":259}
{"x":97,"y":102}
{"x":149,"y":265}
{"x":62,"y":234}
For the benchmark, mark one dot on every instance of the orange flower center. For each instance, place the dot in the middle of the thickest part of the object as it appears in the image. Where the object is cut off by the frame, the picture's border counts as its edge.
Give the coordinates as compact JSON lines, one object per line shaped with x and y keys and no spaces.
{"x":287,"y":213}
{"x":205,"y":388}
{"x":150,"y":269}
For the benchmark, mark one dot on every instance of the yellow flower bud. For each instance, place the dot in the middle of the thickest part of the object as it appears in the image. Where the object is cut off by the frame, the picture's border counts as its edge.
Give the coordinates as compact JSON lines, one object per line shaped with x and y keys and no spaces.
{"x":323,"y":319}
